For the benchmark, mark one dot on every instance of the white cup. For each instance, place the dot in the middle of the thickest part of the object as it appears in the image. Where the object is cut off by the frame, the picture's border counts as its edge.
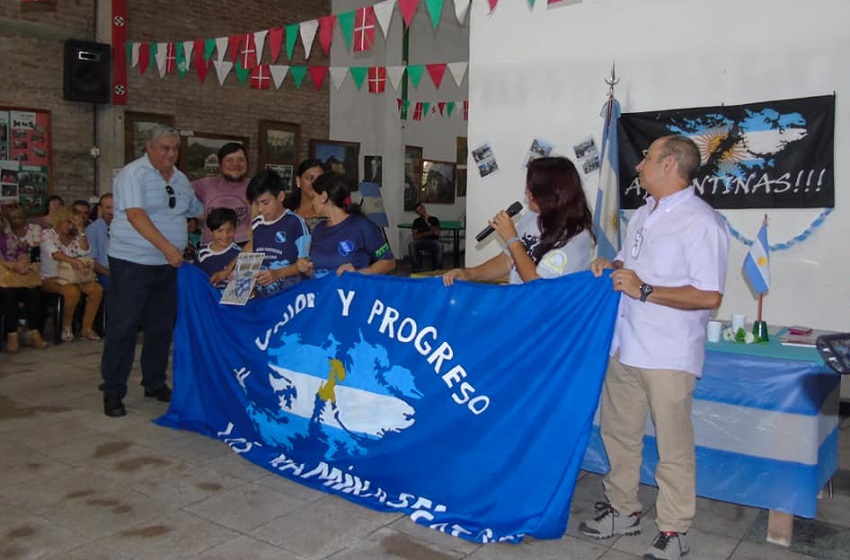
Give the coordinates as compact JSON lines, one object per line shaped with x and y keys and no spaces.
{"x":713,"y":331}
{"x":738,"y":321}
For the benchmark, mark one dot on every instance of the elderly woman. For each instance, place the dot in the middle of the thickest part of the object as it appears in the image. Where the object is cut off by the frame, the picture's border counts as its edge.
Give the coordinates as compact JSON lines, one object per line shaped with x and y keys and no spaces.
{"x":15,"y":248}
{"x":300,"y":200}
{"x":66,"y":242}
{"x":347,"y":240}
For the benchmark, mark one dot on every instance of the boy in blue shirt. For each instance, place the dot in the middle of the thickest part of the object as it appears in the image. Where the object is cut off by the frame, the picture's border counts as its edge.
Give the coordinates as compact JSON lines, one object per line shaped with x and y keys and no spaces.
{"x":221,"y":251}
{"x":278,"y":233}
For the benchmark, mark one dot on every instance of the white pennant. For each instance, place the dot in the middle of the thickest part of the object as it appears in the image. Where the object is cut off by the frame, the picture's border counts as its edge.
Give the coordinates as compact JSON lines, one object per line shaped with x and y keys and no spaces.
{"x":338,"y":74}
{"x":222,"y":69}
{"x":461,"y":7}
{"x":278,"y":74}
{"x":259,"y":42}
{"x":458,"y":69}
{"x":384,"y":14}
{"x":134,"y":55}
{"x":220,"y":48}
{"x":161,"y":52}
{"x":308,"y":33}
{"x":394,"y":74}
{"x":188,"y":47}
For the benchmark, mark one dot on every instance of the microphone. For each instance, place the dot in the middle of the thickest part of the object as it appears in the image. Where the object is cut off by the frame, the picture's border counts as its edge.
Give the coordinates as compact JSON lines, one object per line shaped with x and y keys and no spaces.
{"x":512,"y":210}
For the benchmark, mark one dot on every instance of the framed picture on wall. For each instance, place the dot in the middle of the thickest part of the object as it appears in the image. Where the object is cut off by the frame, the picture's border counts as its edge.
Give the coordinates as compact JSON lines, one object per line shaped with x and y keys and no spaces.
{"x":339,"y":157}
{"x":137,"y":128}
{"x":438,"y":182}
{"x":412,"y":176}
{"x":199,"y":153}
{"x":373,"y":170}
{"x":279,"y":142}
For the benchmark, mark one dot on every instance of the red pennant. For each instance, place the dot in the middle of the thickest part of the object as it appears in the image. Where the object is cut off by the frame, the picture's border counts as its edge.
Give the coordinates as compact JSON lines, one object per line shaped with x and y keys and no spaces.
{"x":436,"y":71}
{"x":144,"y":57}
{"x":408,"y":10}
{"x":398,"y":102}
{"x":492,"y":4}
{"x":248,"y":52}
{"x":318,"y":73}
{"x":466,"y":109}
{"x":364,"y":29}
{"x":201,"y":65}
{"x":417,"y":111}
{"x":233,"y":43}
{"x":377,"y":78}
{"x":275,"y":41}
{"x":261,"y":77}
{"x":441,"y":106}
{"x":170,"y":59}
{"x":326,"y":32}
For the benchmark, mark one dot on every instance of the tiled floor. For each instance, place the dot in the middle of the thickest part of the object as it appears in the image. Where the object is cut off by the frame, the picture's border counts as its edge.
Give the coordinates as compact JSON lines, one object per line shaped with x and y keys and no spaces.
{"x":76,"y":485}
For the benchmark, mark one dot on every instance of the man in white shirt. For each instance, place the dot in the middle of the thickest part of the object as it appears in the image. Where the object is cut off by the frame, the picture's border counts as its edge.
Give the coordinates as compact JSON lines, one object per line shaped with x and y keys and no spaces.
{"x":672,"y":273}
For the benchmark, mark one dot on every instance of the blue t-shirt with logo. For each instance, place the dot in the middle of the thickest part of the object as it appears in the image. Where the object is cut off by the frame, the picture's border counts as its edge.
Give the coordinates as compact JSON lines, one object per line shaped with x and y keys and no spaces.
{"x":355,"y":240}
{"x":282,"y":242}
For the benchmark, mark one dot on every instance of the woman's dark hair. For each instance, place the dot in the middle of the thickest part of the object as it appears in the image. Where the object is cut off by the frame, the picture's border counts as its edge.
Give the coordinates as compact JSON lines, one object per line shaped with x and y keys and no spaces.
{"x":293,"y":199}
{"x":50,"y":199}
{"x":230,"y":148}
{"x":555,"y":185}
{"x":338,"y":189}
{"x":220,"y":216}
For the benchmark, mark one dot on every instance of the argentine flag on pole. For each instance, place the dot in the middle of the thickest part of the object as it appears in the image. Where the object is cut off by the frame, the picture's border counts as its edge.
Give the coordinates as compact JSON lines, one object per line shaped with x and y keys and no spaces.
{"x":606,"y":222}
{"x":756,"y":262}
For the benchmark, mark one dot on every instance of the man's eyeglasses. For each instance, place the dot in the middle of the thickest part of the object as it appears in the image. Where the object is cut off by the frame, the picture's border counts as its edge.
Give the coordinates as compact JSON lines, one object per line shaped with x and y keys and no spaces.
{"x":172,"y":199}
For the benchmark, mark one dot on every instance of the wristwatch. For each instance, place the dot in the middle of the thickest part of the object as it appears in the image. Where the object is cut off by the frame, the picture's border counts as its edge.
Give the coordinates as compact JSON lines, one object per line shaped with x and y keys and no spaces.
{"x":645,"y":290}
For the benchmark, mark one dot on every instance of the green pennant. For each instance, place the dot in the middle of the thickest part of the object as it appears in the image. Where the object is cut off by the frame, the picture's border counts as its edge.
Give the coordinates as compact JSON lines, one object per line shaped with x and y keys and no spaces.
{"x":425,"y":106}
{"x":531,"y":3}
{"x":414,"y":72}
{"x":435,"y":8}
{"x":346,"y":25}
{"x":209,"y":47}
{"x":152,"y":60}
{"x":298,"y":73}
{"x":128,"y":52}
{"x":241,"y":73}
{"x":180,"y":60}
{"x":358,"y":74}
{"x":291,"y":37}
{"x":450,"y":106}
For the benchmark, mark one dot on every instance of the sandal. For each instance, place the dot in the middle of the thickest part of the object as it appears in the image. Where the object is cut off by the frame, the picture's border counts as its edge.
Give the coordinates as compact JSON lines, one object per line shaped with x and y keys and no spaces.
{"x":90,"y":335}
{"x":67,"y":334}
{"x":35,"y":340}
{"x":13,"y":344}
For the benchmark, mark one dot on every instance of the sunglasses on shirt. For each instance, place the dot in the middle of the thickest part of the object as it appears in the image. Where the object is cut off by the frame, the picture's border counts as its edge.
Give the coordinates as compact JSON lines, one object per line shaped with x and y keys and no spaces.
{"x":172,"y":199}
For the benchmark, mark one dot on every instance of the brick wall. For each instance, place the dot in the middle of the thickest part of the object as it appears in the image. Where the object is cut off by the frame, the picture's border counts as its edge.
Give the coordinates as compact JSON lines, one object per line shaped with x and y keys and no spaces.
{"x":31,"y":59}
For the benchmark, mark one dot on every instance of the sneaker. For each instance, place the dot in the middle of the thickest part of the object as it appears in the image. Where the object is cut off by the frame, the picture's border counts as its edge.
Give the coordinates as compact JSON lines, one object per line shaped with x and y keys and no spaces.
{"x":668,"y":546}
{"x":609,"y":522}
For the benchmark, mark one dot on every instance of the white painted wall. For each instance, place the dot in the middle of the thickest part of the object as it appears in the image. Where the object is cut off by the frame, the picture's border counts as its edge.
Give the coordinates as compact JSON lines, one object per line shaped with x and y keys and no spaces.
{"x":373,"y":120}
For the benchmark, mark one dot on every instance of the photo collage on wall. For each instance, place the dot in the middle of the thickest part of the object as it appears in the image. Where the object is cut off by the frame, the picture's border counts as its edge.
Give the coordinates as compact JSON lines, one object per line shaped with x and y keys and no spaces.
{"x":24,"y":172}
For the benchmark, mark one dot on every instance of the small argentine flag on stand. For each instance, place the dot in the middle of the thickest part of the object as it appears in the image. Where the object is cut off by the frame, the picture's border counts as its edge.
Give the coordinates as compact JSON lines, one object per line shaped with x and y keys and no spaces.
{"x":758,"y":275}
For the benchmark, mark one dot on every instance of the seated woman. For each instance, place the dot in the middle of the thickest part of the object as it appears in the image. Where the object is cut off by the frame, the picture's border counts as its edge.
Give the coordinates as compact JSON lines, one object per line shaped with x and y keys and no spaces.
{"x":15,"y":260}
{"x":66,"y":241}
{"x":346,"y":240}
{"x":553,"y":239}
{"x":300,"y":200}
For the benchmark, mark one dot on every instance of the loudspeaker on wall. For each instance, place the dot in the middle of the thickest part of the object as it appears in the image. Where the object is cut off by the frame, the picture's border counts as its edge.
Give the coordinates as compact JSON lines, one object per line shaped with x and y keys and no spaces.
{"x":87,"y":71}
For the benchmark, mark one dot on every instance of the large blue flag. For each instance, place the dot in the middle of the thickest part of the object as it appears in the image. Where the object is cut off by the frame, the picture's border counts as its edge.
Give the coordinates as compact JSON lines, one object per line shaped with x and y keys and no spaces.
{"x":756,"y":263}
{"x":467,"y":408}
{"x":606,"y":222}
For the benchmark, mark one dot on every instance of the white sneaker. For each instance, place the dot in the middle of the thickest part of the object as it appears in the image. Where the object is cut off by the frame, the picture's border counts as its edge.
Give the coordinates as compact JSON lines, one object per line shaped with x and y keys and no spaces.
{"x":609,"y":522}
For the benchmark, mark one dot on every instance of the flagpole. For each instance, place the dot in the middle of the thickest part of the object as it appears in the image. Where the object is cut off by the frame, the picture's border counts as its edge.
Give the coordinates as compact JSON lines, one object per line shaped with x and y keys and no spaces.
{"x":760,"y":326}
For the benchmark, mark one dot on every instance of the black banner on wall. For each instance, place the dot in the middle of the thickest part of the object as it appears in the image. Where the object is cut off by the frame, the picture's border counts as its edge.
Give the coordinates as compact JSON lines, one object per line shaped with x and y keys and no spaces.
{"x":776,"y":154}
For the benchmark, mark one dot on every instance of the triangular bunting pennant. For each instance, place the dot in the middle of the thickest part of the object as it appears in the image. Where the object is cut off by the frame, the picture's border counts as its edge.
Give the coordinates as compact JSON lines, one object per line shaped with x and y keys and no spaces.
{"x":377,"y":79}
{"x":417,"y":111}
{"x":202,"y":62}
{"x":338,"y":74}
{"x":458,"y":69}
{"x":278,"y":74}
{"x":233,"y":43}
{"x":461,"y":7}
{"x":188,"y":49}
{"x":181,"y":60}
{"x":158,"y":52}
{"x":242,"y":73}
{"x":414,"y":72}
{"x":358,"y":74}
{"x":308,"y":35}
{"x":364,"y":29}
{"x":346,"y":25}
{"x":394,"y":75}
{"x":530,"y":3}
{"x":408,"y":10}
{"x":248,"y":52}
{"x":425,"y":106}
{"x":221,"y":47}
{"x":326,"y":32}
{"x":222,"y":69}
{"x":435,"y":9}
{"x":134,"y":53}
{"x":466,"y":109}
{"x":450,"y":108}
{"x":259,"y":43}
{"x":154,"y":54}
{"x":318,"y":73}
{"x":384,"y":14}
{"x":441,"y":106}
{"x":436,"y":72}
{"x":208,"y":47}
{"x":260,"y":77}
{"x":170,"y":58}
{"x":398,"y":102}
{"x":144,"y":57}
{"x":291,"y":37}
{"x":275,"y":42}
{"x":298,"y":73}
{"x":492,"y":5}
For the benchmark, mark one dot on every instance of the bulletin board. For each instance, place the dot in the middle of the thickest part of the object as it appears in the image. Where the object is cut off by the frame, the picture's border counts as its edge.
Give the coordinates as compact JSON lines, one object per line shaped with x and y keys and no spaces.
{"x":26,"y":174}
